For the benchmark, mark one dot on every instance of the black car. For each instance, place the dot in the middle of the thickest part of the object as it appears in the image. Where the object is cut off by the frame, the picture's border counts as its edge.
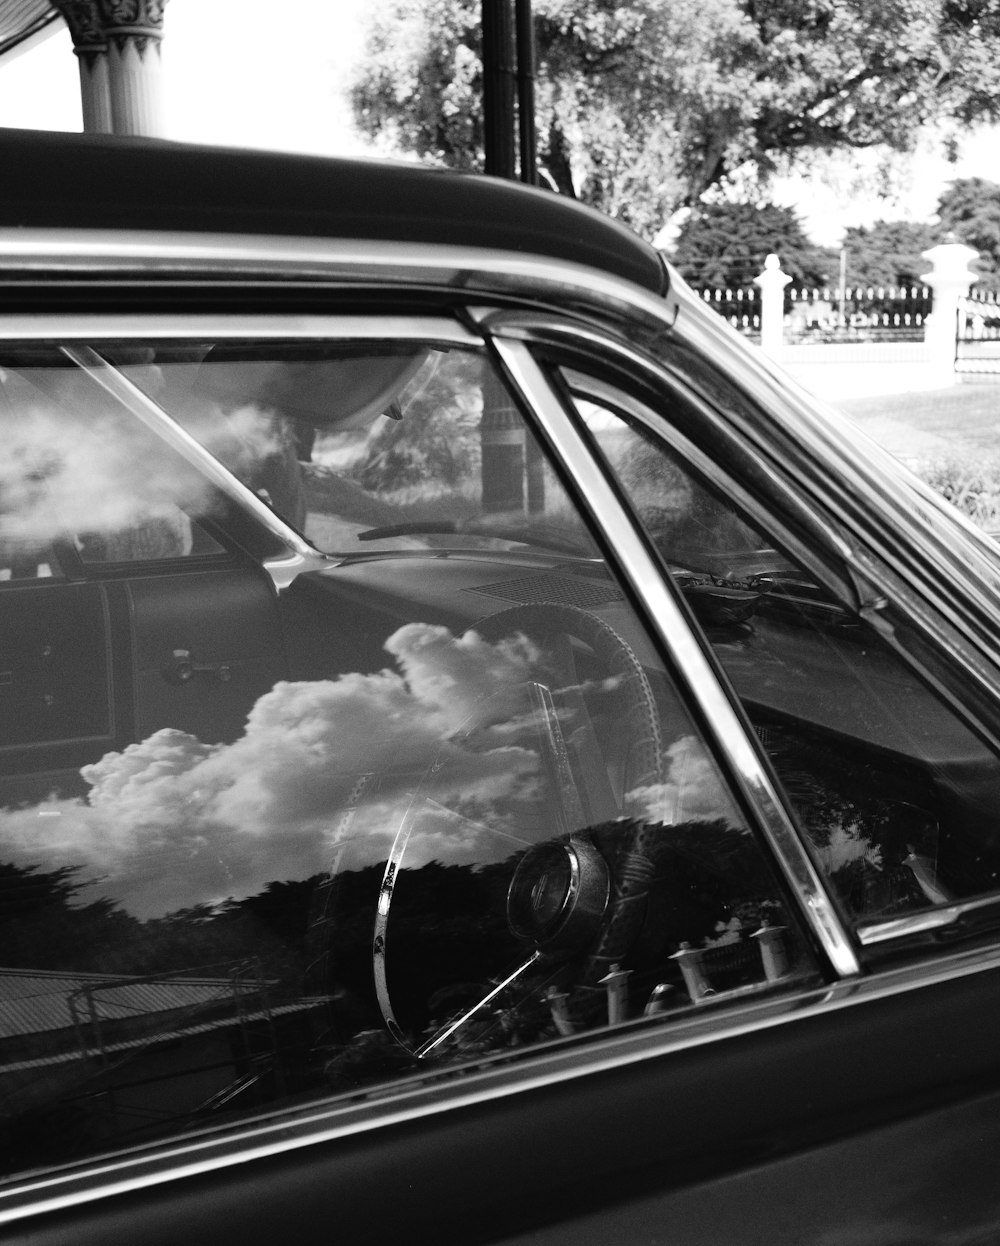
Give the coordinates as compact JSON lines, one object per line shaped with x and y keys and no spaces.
{"x":485,"y":758}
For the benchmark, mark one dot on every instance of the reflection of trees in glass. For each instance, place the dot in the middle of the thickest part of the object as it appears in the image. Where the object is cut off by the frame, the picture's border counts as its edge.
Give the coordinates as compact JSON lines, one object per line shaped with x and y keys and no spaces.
{"x":448,"y":941}
{"x":436,"y":442}
{"x":862,"y":818}
{"x":43,"y":927}
{"x":448,"y":937}
{"x":681,"y":515}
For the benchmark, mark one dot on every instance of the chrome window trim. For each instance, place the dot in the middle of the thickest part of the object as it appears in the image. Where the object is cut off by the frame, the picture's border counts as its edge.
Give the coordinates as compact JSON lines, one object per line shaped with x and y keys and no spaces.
{"x":866,"y":584}
{"x":182,"y":255}
{"x":98,"y":327}
{"x":526,"y":329}
{"x":149,"y":413}
{"x":869,"y":580}
{"x":390,"y":1104}
{"x":940,"y":918}
{"x":673,"y":632}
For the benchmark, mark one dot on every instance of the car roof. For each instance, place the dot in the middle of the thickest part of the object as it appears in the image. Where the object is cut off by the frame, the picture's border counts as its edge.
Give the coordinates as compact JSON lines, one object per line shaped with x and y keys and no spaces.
{"x":85,"y":181}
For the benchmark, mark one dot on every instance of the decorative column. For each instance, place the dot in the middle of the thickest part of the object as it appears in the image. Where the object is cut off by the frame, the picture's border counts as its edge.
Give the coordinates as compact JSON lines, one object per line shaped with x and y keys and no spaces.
{"x":772,"y":282}
{"x":118,"y":46}
{"x":950,"y":279}
{"x":90,"y":45}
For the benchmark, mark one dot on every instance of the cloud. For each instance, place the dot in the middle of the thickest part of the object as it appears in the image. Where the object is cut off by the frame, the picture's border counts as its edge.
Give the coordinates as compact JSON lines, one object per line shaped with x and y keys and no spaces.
{"x":443,"y":751}
{"x":171,"y":821}
{"x":692,"y":789}
{"x":73,"y":465}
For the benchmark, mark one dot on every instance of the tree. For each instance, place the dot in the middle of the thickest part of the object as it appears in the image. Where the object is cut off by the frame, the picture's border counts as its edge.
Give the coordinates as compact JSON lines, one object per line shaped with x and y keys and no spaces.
{"x":725,"y":245}
{"x":43,"y":925}
{"x":970,"y":208}
{"x":889,"y":253}
{"x":643,"y":107}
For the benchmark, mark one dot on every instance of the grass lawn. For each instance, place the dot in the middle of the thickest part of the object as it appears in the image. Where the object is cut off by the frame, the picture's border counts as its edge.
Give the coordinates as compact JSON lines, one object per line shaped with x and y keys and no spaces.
{"x":966,"y":416}
{"x":950,"y":437}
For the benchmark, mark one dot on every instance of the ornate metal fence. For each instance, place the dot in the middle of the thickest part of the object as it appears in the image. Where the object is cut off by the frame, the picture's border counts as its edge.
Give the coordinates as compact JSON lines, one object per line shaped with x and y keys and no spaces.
{"x":818,"y":315}
{"x":856,"y":314}
{"x":739,"y":305}
{"x":977,"y":343}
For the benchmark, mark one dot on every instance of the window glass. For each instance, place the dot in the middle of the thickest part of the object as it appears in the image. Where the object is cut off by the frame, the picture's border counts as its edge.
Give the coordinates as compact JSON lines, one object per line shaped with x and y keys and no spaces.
{"x":400,"y":447}
{"x":82,"y":481}
{"x":434,"y":801}
{"x":895,"y":794}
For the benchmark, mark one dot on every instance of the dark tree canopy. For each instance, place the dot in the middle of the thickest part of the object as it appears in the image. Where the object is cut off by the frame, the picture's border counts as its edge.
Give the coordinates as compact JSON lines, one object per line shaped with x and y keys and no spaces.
{"x":725,"y":245}
{"x":643,"y":107}
{"x":970,"y":209}
{"x":889,"y":253}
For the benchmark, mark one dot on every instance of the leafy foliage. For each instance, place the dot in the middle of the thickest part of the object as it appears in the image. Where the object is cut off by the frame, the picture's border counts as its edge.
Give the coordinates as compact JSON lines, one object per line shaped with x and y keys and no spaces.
{"x":725,"y":245}
{"x":889,"y":253}
{"x":973,"y":485}
{"x":643,"y":107}
{"x":970,"y":208}
{"x":43,"y":925}
{"x":437,"y":438}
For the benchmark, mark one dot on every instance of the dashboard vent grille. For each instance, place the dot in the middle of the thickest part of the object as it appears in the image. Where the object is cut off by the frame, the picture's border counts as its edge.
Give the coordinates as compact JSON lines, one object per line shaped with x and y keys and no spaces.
{"x":564,"y":589}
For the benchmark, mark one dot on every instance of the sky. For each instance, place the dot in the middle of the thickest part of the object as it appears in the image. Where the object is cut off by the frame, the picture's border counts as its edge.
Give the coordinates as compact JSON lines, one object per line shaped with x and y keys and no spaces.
{"x":272,"y":77}
{"x":275,"y":78}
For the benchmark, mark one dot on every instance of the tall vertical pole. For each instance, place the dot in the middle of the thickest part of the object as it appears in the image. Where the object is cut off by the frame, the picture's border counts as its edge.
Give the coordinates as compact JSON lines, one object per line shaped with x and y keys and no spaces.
{"x":525,"y":38}
{"x":498,"y":88}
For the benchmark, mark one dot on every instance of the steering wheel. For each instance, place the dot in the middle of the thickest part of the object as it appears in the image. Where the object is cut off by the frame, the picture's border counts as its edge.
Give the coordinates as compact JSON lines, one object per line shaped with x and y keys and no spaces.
{"x":578,"y":895}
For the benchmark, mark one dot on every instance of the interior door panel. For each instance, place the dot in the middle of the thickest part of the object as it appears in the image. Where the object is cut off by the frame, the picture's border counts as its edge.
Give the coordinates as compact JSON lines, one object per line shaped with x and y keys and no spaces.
{"x":207,"y":644}
{"x":56,"y":705}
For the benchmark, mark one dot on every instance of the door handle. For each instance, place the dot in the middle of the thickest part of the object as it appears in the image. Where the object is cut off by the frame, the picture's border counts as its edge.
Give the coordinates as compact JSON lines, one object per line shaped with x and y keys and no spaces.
{"x":181,"y":668}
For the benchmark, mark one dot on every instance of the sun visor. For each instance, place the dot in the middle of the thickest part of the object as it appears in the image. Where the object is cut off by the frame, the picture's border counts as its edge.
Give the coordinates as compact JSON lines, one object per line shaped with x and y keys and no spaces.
{"x":324,"y":393}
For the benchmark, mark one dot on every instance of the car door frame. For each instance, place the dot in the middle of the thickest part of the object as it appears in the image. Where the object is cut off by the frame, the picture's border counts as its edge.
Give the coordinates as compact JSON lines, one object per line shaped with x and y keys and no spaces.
{"x":583,"y":1136}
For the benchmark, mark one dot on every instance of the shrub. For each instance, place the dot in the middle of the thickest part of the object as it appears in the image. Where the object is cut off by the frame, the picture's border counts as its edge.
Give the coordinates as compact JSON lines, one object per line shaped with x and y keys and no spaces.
{"x":974,"y":487}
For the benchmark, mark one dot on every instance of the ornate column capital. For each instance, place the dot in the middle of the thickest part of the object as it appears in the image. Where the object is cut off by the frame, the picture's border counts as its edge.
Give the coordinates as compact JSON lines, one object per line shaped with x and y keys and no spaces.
{"x":118,"y":45}
{"x":139,"y":22}
{"x":83,"y":17}
{"x":92,"y":23}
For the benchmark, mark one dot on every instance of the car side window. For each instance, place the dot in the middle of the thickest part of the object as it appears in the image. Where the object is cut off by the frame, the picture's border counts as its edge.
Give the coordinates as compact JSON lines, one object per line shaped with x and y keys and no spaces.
{"x":82,"y":481}
{"x":433,"y":799}
{"x":895,"y":794}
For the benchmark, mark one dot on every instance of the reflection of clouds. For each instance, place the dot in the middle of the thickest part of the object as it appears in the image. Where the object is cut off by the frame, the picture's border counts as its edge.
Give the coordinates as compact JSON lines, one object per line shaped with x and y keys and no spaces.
{"x":61,"y":474}
{"x":171,"y":821}
{"x":76,"y":464}
{"x":242,"y":438}
{"x":691,"y":790}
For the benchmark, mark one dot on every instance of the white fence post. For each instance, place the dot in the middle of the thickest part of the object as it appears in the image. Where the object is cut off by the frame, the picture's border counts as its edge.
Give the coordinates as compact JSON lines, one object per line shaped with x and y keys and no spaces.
{"x":950,"y":279}
{"x":772,"y":282}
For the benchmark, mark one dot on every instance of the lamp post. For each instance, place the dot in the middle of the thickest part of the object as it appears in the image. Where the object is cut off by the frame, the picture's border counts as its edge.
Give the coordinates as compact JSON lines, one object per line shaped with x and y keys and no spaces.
{"x":498,"y":88}
{"x":525,"y":28}
{"x":509,"y":77}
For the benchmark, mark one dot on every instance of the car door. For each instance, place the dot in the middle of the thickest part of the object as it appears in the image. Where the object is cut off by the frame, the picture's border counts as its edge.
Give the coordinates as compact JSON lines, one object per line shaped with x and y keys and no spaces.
{"x":501,"y":917}
{"x":118,"y":609}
